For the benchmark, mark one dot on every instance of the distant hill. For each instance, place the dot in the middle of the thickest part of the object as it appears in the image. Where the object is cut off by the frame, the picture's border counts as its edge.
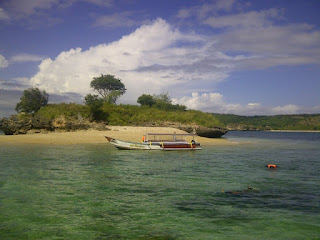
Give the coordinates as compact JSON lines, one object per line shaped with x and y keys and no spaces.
{"x":278,"y":122}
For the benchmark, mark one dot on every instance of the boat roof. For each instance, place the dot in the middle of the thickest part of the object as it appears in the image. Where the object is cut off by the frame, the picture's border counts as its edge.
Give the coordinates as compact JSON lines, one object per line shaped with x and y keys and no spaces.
{"x":171,"y":134}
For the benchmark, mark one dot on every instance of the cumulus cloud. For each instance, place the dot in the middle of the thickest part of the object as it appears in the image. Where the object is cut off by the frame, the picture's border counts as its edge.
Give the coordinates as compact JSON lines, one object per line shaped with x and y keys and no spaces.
{"x":152,"y":59}
{"x":214,"y":102}
{"x":287,"y":109}
{"x":208,"y":102}
{"x":3,"y":62}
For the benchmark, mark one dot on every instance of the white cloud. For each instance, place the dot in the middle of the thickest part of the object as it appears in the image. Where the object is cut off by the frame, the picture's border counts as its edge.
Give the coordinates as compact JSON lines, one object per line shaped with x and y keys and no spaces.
{"x":214,"y":102}
{"x":248,"y":19}
{"x":209,"y":102}
{"x":150,"y":60}
{"x":273,"y":46}
{"x":3,"y":62}
{"x":287,"y":109}
{"x":24,"y":57}
{"x":264,"y":38}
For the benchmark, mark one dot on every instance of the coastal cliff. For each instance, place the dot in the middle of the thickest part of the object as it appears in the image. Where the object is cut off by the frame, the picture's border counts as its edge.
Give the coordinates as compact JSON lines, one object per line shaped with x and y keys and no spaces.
{"x":27,"y":124}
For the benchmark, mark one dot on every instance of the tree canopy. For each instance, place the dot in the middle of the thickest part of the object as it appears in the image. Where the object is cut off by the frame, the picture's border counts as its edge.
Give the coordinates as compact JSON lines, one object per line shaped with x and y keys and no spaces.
{"x":109,"y":87}
{"x":161,"y":101}
{"x":146,"y":100}
{"x":32,"y":100}
{"x":95,"y":103}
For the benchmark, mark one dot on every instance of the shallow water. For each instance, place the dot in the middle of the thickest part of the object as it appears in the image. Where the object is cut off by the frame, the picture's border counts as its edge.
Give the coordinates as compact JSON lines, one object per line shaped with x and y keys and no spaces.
{"x":98,"y":192}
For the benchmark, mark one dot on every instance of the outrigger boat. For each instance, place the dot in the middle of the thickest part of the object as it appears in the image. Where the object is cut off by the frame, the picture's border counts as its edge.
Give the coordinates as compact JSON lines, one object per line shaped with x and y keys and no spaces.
{"x":159,"y":141}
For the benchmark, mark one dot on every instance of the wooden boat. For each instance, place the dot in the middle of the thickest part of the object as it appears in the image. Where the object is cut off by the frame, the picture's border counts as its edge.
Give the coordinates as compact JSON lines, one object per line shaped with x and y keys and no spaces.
{"x":159,"y":141}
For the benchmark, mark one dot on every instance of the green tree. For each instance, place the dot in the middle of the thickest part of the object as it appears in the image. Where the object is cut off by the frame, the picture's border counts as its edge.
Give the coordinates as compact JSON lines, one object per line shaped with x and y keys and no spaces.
{"x":164,"y":102}
{"x":164,"y":98}
{"x":95,"y":104}
{"x":109,"y":87}
{"x":32,"y":100}
{"x":146,"y":100}
{"x":161,"y":101}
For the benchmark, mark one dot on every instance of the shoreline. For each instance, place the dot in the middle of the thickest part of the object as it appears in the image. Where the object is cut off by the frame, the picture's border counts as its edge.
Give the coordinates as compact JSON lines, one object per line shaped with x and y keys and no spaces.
{"x":125,"y":133}
{"x":292,"y":131}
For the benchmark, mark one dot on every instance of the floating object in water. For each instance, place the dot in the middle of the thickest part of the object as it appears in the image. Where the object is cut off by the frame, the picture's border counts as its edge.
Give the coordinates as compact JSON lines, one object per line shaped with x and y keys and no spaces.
{"x":272,"y":166}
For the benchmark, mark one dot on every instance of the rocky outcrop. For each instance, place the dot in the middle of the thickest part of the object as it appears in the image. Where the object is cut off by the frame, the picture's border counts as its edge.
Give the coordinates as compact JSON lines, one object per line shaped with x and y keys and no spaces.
{"x":210,"y":132}
{"x":23,"y":124}
{"x":14,"y":125}
{"x":201,"y":131}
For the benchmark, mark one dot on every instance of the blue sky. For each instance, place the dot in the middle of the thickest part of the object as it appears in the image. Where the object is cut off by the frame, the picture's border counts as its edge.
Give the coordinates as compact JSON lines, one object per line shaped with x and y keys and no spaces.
{"x":222,"y":56}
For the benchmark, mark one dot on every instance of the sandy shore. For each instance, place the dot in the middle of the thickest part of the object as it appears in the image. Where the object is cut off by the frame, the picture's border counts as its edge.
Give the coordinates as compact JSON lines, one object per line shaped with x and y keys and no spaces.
{"x":133,"y":134}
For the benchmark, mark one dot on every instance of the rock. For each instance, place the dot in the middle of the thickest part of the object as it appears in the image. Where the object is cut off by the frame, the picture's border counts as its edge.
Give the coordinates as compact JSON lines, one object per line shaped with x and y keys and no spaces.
{"x":16,"y":124}
{"x":210,"y":132}
{"x":204,"y":131}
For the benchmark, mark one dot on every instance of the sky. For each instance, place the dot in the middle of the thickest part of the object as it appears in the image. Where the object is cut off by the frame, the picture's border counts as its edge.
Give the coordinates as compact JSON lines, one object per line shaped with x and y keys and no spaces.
{"x":255,"y":57}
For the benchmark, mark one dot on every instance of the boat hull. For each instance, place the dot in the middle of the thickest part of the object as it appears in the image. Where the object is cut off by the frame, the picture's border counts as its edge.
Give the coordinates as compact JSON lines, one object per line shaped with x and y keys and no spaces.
{"x":152,"y":145}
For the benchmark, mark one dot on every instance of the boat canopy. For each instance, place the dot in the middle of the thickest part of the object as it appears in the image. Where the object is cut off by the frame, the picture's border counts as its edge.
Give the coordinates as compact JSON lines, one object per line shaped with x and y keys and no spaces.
{"x":168,"y":136}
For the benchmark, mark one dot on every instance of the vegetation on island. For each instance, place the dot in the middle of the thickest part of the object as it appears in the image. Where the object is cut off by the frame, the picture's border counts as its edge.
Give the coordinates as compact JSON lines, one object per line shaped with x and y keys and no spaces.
{"x":154,"y":110}
{"x":129,"y":115}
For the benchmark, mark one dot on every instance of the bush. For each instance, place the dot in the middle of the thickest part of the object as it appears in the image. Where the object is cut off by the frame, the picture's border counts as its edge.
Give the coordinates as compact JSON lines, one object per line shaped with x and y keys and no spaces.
{"x":71,"y":110}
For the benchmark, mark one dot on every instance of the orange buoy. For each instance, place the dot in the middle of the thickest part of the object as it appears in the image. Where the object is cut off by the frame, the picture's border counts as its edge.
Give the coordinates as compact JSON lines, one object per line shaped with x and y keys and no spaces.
{"x":271,"y":166}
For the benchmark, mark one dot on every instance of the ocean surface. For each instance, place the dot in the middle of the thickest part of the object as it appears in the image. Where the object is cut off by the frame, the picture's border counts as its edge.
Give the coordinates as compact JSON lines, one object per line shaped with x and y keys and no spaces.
{"x":95,"y":191}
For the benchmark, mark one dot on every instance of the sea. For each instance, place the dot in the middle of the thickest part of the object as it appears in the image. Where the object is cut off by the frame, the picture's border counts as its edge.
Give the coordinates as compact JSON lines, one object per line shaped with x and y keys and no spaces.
{"x":95,"y":191}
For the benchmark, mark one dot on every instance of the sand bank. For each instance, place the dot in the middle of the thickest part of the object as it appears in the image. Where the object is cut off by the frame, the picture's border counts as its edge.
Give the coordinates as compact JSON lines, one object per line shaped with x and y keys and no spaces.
{"x":133,"y":134}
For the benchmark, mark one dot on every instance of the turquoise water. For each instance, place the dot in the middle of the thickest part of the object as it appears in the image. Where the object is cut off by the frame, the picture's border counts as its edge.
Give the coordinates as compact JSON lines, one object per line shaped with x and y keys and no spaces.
{"x":98,"y":192}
